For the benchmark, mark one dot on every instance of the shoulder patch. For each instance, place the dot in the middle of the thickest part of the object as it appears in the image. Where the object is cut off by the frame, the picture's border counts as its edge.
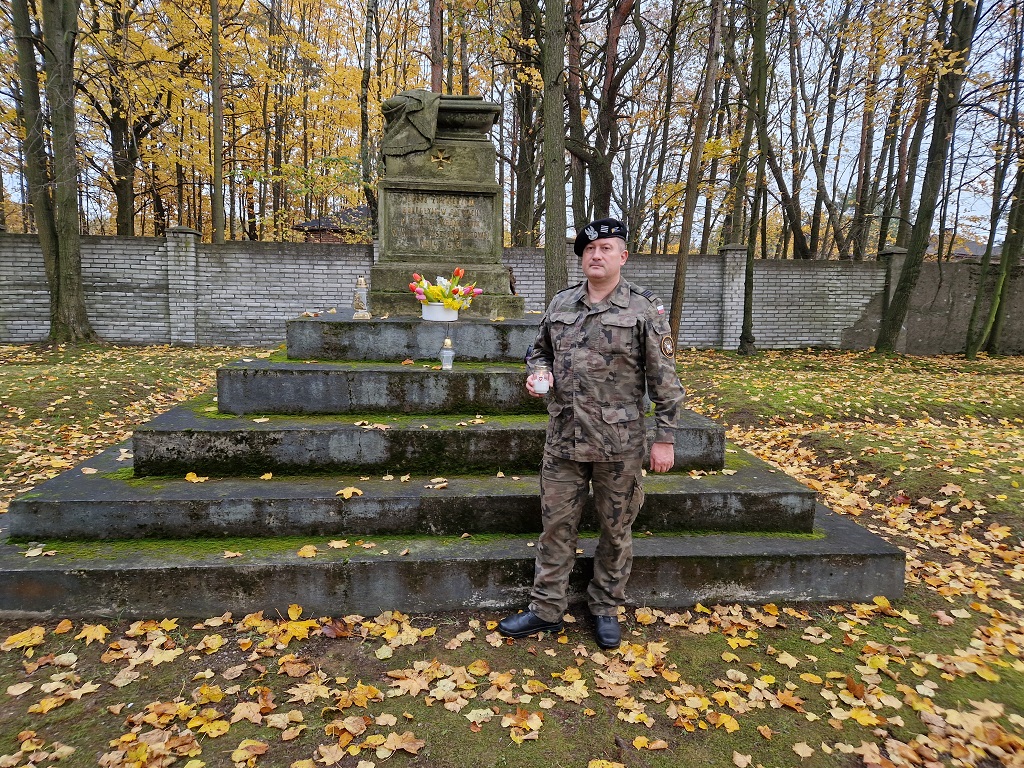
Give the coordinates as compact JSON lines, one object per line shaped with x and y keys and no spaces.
{"x":667,"y":347}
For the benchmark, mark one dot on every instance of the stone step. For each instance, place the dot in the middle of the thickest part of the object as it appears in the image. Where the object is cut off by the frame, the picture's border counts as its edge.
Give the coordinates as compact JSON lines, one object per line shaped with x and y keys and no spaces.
{"x":112,"y":503}
{"x":265,"y":387}
{"x":190,"y":438}
{"x":337,"y":337}
{"x":146,"y":579}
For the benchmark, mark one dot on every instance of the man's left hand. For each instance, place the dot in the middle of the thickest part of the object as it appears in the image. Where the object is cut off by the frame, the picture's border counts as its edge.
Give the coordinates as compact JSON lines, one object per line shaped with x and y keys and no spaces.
{"x":663,"y":456}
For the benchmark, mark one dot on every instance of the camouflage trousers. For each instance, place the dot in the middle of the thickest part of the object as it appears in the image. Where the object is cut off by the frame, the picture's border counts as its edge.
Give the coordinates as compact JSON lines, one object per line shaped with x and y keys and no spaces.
{"x":564,"y":487}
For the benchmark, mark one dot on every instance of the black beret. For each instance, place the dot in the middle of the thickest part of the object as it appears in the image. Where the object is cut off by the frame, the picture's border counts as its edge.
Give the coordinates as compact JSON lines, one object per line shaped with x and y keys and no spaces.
{"x":595,"y":230}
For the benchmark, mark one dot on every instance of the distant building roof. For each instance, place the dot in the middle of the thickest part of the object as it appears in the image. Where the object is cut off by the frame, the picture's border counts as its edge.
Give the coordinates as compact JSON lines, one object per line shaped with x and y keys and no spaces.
{"x":339,"y":221}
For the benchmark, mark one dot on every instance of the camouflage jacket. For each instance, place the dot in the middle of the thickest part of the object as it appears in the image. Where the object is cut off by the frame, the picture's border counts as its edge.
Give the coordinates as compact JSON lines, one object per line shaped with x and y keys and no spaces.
{"x":603,"y":357}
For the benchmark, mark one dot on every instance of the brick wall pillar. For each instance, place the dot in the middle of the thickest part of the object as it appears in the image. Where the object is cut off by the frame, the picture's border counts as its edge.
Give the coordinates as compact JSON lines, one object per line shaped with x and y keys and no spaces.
{"x":734,"y":265}
{"x":180,"y":244}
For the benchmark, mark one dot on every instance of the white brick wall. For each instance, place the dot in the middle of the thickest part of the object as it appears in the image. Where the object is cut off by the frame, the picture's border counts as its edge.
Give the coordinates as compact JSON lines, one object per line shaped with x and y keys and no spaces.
{"x":157,"y":291}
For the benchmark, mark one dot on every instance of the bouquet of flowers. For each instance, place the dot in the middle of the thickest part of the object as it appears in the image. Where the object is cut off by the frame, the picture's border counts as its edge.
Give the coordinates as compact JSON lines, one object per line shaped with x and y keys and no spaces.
{"x":445,"y":291}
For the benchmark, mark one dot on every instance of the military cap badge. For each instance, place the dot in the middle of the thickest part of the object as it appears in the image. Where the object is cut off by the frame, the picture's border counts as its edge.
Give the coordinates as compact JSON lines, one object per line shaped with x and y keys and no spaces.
{"x":596,"y":230}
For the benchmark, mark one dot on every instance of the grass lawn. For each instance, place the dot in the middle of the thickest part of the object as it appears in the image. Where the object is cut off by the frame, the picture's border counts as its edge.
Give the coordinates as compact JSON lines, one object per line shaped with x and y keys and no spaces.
{"x":928,"y":452}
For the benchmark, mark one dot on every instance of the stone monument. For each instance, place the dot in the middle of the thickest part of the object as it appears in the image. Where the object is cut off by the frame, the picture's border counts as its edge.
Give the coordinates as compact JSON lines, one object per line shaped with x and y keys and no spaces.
{"x":440,"y":206}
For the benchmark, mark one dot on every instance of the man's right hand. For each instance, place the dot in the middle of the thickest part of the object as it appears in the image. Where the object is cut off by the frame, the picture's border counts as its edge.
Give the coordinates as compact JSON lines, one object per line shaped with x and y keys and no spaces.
{"x":533,"y":377}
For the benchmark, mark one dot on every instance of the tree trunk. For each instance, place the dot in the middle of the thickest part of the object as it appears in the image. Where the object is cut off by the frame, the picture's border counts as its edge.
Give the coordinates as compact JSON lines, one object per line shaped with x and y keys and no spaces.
{"x":734,"y":225}
{"x":908,"y":171}
{"x":525,"y":161}
{"x":69,"y":322}
{"x":436,"y":46}
{"x":988,"y":334}
{"x":574,"y":98}
{"x":962,"y":25}
{"x":552,"y":65}
{"x":757,"y":97}
{"x":365,"y":161}
{"x":464,"y":59}
{"x":1007,"y":141}
{"x":757,"y":214}
{"x":666,"y":120}
{"x":37,"y":163}
{"x":835,"y":73}
{"x":217,"y":197}
{"x":858,"y":227}
{"x":789,"y":203}
{"x":693,"y":173}
{"x":599,"y":155}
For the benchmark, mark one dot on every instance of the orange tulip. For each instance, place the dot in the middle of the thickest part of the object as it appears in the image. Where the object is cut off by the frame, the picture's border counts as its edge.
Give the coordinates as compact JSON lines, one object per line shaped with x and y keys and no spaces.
{"x":416,"y":277}
{"x":459,"y":272}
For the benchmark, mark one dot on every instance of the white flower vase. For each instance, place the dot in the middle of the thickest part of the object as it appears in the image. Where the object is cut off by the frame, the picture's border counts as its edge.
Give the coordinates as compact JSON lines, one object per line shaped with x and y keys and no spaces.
{"x":438,"y":312}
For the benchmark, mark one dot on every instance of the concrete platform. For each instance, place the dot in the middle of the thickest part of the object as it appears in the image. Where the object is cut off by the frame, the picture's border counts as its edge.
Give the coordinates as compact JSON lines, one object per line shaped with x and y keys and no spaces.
{"x":152,"y":579}
{"x":189,"y":439}
{"x":111,"y":503}
{"x":338,"y":337}
{"x":264,"y":387}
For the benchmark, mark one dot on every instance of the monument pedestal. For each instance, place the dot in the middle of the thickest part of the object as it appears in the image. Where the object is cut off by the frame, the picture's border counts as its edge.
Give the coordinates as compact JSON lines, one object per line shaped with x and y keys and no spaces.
{"x":440,"y":208}
{"x":705,"y":532}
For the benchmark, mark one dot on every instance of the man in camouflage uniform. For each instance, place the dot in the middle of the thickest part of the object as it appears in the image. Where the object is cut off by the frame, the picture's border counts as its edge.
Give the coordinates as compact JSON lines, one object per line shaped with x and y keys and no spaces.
{"x":601,"y":345}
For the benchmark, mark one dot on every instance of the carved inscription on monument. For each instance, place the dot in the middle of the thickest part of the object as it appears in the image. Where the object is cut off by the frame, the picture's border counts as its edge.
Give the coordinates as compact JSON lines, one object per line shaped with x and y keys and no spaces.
{"x":439,"y":224}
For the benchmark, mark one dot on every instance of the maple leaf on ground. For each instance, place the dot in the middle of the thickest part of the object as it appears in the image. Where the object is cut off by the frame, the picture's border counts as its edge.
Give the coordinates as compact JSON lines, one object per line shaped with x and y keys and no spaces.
{"x":28,"y":638}
{"x":282,"y":720}
{"x":336,"y":628}
{"x":215,"y":729}
{"x":124,"y":677}
{"x":787,"y":699}
{"x":394,"y":742}
{"x":741,"y":761}
{"x":478,"y":716}
{"x":307,"y":693}
{"x":723,"y":720}
{"x":248,"y":749}
{"x":408,"y":682}
{"x":330,"y":754}
{"x":247,"y":710}
{"x":309,"y":550}
{"x":92,"y":632}
{"x":787,"y":659}
{"x":294,"y":667}
{"x":645,"y":616}
{"x":231,"y":673}
{"x":576,"y":692}
{"x":803,"y":750}
{"x":64,"y":627}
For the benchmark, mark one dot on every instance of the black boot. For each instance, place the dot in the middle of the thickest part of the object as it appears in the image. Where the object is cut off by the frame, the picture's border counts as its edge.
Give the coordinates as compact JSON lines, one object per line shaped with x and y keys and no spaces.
{"x":526,"y":623}
{"x":606,"y":630}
